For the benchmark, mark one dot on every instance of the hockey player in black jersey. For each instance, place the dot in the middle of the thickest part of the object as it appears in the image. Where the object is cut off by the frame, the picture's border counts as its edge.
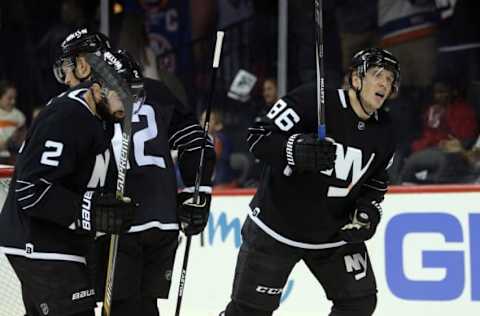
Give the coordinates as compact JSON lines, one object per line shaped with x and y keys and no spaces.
{"x":146,"y":254}
{"x":56,"y":205}
{"x":318,"y":200}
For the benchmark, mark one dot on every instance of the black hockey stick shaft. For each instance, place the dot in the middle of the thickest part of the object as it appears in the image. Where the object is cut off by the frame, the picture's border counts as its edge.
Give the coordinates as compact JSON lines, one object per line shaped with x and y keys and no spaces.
{"x":114,"y":82}
{"x":124,"y":94}
{"x":319,"y":57}
{"x":199,"y":175}
{"x":113,"y":249}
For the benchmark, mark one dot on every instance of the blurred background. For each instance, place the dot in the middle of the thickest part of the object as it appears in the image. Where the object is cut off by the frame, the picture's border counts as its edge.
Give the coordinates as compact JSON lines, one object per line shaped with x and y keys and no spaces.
{"x":268,"y":50}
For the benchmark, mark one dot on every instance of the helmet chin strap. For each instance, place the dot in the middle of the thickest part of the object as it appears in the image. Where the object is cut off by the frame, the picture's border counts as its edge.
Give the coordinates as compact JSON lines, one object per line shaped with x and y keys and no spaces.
{"x":357,"y":93}
{"x":81,"y":79}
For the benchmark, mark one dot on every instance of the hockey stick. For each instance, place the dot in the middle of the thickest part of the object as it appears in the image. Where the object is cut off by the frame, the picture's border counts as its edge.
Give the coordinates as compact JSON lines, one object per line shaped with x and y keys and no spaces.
{"x":116,"y":83}
{"x":320,"y":69}
{"x":198,"y":178}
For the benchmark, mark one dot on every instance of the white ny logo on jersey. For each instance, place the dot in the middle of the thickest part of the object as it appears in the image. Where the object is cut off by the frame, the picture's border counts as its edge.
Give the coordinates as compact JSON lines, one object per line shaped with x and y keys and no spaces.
{"x":351,"y":161}
{"x":356,"y":263}
{"x":99,"y":173}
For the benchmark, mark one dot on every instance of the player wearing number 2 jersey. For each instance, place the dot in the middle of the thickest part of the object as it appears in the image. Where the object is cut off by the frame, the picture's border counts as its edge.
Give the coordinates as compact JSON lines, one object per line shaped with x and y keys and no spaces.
{"x":318,"y":200}
{"x":146,"y":254}
{"x":57,"y":200}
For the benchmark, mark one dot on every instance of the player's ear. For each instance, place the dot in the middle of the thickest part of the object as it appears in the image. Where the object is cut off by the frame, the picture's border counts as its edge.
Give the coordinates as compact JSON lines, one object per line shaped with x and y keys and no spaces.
{"x":355,"y":81}
{"x":96,"y":91}
{"x":82,"y":68}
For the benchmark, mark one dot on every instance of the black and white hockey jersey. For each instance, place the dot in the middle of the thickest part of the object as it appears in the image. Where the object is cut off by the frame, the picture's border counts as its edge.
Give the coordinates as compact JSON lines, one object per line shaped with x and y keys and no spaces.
{"x":307,"y":210}
{"x":66,"y":152}
{"x":161,"y":124}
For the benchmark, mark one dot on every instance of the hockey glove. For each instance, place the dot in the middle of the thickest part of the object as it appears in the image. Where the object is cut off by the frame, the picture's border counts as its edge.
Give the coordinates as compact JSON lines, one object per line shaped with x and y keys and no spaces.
{"x":105,"y":213}
{"x":307,"y":153}
{"x":193,"y":217}
{"x":364,"y":222}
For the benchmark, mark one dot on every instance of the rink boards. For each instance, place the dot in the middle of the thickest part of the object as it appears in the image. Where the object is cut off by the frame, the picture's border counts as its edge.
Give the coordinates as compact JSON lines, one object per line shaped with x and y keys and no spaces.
{"x":426,"y":257}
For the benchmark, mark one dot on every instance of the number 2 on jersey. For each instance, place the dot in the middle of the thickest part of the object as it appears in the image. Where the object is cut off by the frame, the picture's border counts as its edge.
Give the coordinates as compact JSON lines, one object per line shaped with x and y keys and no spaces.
{"x":51,"y":154}
{"x":142,"y":136}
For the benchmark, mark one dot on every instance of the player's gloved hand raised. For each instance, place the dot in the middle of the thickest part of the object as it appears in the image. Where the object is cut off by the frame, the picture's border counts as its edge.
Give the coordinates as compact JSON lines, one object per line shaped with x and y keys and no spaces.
{"x":307,"y":153}
{"x":193,"y":217}
{"x":364,"y":222}
{"x":103,"y":212}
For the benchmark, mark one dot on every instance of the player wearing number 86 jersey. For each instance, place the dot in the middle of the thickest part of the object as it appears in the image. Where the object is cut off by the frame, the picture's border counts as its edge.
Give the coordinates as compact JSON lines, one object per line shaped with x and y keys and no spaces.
{"x":319,"y":199}
{"x":319,"y":203}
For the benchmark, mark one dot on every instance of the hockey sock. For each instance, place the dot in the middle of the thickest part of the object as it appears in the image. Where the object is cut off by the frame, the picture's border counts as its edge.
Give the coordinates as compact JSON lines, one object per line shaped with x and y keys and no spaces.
{"x":361,"y":306}
{"x":149,"y":306}
{"x":87,"y":313}
{"x":237,"y":309}
{"x":127,"y":307}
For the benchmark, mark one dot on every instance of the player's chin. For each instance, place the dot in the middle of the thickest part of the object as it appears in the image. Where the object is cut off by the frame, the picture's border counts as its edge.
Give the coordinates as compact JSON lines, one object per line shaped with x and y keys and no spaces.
{"x":110,"y":113}
{"x":118,"y":115}
{"x":378,"y":102}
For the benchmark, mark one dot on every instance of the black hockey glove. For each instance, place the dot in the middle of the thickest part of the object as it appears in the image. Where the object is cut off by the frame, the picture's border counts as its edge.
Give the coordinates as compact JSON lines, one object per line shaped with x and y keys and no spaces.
{"x":193,"y":217}
{"x":105,"y":213}
{"x":364,"y":222}
{"x":307,"y":153}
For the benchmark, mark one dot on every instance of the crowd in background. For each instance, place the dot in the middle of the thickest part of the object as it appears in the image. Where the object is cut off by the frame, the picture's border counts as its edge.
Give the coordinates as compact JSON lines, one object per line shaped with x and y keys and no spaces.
{"x":436,"y":113}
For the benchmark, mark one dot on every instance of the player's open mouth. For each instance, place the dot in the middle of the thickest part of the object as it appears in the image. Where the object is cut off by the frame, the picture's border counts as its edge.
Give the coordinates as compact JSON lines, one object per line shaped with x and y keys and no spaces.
{"x":379,"y":95}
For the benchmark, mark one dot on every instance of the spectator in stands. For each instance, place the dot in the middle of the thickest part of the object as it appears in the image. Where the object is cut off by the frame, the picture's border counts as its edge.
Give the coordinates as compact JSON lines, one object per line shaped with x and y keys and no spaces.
{"x":449,"y":126}
{"x":459,"y":43}
{"x":451,"y":162}
{"x":223,"y":175}
{"x":270,"y":91}
{"x":301,"y":54}
{"x":269,"y":96}
{"x":449,"y":117}
{"x":17,"y":56}
{"x":12,"y":123}
{"x":134,"y":39}
{"x":357,"y":25}
{"x":407,"y":29}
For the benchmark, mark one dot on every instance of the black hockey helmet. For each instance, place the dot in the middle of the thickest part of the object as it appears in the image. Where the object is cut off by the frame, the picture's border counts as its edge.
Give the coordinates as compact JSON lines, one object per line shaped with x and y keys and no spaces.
{"x":120,"y":79}
{"x":131,"y":72}
{"x":371,"y":57}
{"x":80,"y":41}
